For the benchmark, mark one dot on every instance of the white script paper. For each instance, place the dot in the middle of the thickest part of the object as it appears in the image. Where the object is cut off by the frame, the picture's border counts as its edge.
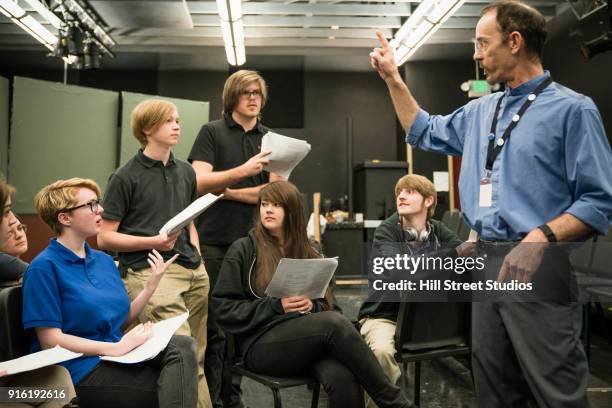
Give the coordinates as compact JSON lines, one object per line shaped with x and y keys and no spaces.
{"x":302,"y":277}
{"x":162,"y":332}
{"x":182,"y":219}
{"x":287,"y":153}
{"x":38,"y":360}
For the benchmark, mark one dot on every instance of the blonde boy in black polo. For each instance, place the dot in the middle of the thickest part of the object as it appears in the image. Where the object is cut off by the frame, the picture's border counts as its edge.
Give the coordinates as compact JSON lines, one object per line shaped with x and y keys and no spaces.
{"x":140,"y":197}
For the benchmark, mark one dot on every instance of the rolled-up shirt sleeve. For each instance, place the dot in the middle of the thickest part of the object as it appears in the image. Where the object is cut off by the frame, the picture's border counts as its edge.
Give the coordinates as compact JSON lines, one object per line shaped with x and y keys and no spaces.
{"x":588,"y":161}
{"x":439,"y":134}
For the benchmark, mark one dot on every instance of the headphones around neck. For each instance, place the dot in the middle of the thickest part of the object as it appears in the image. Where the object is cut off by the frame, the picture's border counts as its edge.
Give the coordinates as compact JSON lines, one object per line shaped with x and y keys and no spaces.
{"x":412,"y":234}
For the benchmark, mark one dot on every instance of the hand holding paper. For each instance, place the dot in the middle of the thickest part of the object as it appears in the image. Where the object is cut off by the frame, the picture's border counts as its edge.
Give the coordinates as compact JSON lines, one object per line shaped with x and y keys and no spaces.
{"x":302,"y":277}
{"x":162,"y":332}
{"x":286,"y":154}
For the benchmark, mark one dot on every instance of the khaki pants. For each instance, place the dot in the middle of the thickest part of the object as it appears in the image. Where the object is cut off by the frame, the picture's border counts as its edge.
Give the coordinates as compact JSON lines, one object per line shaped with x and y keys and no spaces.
{"x":54,"y":376}
{"x":180,"y":290}
{"x":378,"y":335}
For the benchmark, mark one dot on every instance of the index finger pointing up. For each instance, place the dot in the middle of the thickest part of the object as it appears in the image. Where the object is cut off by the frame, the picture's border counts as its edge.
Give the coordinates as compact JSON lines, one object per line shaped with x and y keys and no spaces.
{"x":383,"y":41}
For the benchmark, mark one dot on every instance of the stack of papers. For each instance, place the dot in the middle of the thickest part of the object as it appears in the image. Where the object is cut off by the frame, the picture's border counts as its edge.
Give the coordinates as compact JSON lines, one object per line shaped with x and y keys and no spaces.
{"x":302,"y":277}
{"x":162,"y":332}
{"x":287,"y":153}
{"x":38,"y":360}
{"x":182,"y":219}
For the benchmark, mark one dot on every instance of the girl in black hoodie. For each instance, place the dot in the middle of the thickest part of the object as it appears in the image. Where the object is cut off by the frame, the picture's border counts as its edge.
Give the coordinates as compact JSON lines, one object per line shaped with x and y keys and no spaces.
{"x":293,"y":336}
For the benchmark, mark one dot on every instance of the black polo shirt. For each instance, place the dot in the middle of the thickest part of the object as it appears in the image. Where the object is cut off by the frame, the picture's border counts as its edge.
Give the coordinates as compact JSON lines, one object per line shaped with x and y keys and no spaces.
{"x":224,"y":144}
{"x":143,"y":195}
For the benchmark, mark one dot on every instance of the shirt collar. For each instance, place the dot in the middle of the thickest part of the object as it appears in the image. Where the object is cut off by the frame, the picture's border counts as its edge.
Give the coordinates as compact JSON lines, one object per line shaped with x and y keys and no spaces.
{"x":527,"y":87}
{"x":68,"y":255}
{"x":149,"y":162}
{"x":232,"y":123}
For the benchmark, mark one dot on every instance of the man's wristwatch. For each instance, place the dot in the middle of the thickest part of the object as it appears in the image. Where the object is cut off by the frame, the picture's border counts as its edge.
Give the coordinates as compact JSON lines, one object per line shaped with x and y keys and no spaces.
{"x":550,"y":236}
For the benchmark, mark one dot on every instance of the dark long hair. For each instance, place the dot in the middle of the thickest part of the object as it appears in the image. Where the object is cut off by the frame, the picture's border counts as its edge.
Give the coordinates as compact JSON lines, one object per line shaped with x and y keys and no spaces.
{"x":6,"y":191}
{"x":296,"y":243}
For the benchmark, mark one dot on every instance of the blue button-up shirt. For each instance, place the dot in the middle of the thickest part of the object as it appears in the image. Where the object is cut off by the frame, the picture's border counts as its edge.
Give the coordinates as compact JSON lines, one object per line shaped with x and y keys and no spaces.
{"x":84,"y":297}
{"x":557,"y":159}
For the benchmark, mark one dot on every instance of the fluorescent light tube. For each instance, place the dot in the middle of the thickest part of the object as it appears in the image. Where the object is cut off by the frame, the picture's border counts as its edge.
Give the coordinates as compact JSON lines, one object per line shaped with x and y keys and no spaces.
{"x":230,"y":54}
{"x":240,"y":55}
{"x":38,"y":28}
{"x":235,"y":9}
{"x":444,"y":9}
{"x":46,"y":13}
{"x":415,"y":37}
{"x":12,"y":8}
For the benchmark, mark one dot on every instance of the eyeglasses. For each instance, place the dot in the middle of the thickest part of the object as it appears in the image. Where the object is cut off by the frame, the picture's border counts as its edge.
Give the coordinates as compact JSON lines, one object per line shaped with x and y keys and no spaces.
{"x":93,"y":206}
{"x":481,"y":45}
{"x":249,"y":94}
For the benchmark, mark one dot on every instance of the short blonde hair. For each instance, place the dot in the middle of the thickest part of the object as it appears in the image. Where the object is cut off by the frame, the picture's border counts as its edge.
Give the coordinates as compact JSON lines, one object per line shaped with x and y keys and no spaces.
{"x":236,"y":83}
{"x":58,"y":196}
{"x":149,"y":114}
{"x":420,"y":184}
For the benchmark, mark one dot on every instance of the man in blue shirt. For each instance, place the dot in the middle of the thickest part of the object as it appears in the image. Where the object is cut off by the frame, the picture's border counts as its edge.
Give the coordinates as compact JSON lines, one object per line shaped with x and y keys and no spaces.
{"x":540,"y":174}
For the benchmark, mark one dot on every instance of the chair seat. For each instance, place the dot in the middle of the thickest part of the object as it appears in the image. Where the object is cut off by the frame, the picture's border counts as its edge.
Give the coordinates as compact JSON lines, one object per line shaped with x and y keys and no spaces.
{"x":273,"y":382}
{"x":604,"y":292}
{"x":408,"y":355}
{"x":584,"y":280}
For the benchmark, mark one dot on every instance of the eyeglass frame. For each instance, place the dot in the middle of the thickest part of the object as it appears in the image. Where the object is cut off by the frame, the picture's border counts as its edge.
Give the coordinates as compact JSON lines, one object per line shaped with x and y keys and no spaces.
{"x":248,"y":94}
{"x":97,"y":202}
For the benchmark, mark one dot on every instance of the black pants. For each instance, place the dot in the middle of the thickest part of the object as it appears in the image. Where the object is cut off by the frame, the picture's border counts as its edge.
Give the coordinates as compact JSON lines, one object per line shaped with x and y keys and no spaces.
{"x":215,"y":348}
{"x":168,"y":380}
{"x":327,"y":346}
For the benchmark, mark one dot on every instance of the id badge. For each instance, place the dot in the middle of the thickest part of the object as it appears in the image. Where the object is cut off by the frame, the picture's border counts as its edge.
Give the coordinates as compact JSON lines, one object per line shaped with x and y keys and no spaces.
{"x":486,"y":191}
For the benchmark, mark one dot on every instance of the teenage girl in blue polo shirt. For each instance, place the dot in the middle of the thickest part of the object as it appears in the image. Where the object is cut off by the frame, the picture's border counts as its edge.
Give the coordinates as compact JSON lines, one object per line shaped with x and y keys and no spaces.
{"x":74,"y":297}
{"x":293,"y":336}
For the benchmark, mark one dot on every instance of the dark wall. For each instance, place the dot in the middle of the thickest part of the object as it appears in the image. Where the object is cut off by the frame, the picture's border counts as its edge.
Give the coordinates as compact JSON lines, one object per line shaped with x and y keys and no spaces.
{"x":592,"y":78}
{"x":197,"y":85}
{"x":435,"y":86}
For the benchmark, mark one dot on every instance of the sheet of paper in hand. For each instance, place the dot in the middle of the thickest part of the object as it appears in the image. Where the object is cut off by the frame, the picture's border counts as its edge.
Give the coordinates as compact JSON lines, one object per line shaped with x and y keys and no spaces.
{"x":302,"y":277}
{"x":287,"y":153}
{"x":38,"y":360}
{"x":182,"y":219}
{"x":162,"y":332}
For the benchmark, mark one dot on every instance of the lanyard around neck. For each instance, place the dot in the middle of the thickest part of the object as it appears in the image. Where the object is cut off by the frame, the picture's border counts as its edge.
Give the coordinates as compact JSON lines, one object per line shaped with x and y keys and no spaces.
{"x":495,"y":147}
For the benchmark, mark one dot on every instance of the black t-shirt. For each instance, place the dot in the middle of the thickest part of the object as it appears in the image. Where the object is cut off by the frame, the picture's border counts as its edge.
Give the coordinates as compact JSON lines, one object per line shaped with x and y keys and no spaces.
{"x":224,"y":144}
{"x":143,"y":195}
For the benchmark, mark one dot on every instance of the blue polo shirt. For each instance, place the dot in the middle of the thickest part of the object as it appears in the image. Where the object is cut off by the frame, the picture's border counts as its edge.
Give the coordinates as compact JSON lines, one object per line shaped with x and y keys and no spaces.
{"x":84,"y":297}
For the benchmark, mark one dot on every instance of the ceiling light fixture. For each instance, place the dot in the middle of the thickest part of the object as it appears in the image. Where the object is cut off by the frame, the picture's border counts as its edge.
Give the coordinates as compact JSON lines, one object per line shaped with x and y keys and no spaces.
{"x":46,"y":13}
{"x":421,"y":25}
{"x":230,"y":13}
{"x":28,"y":23}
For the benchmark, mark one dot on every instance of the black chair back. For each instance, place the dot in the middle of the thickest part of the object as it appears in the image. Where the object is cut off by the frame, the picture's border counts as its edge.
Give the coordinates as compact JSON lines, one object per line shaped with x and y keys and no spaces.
{"x":581,"y":255}
{"x":453,"y":221}
{"x":14,"y":340}
{"x":431,"y":325}
{"x":463,"y":231}
{"x":601,"y":264}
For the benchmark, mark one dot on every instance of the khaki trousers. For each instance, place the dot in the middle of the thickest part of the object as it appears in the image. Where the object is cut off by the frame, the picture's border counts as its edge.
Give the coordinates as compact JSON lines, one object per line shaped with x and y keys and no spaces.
{"x":54,"y":376}
{"x":179,"y":291}
{"x":378,"y":335}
